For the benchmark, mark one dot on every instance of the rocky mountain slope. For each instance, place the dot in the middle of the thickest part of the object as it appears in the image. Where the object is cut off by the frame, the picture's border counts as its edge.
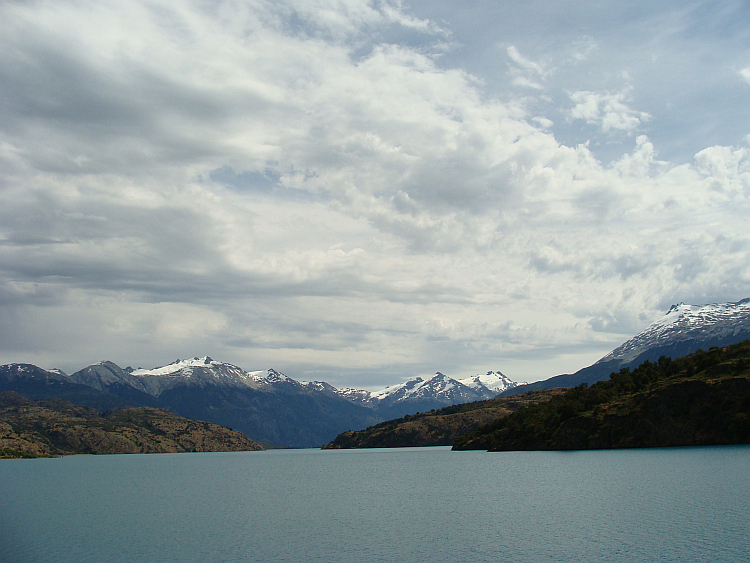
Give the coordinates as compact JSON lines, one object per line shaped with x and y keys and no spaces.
{"x":682,"y":330}
{"x":56,"y":427}
{"x":700,"y":399}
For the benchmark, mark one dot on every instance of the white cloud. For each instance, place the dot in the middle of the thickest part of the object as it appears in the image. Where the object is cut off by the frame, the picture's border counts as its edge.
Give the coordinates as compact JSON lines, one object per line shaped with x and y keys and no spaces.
{"x":583,"y":49}
{"x":524,"y":63}
{"x":299,"y":192}
{"x":524,"y":72}
{"x":607,"y":110}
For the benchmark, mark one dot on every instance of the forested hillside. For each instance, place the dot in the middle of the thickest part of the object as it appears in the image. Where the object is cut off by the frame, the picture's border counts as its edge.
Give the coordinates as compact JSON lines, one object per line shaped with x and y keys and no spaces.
{"x":438,"y":427}
{"x":700,"y":399}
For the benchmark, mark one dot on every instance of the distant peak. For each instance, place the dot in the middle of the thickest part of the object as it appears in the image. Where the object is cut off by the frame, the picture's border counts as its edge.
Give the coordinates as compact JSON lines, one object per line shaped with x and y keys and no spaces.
{"x":274,"y":375}
{"x":675,"y":307}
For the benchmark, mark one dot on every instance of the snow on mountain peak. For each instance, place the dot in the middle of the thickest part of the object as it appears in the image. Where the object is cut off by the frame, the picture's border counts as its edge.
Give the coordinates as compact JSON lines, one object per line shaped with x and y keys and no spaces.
{"x":277,"y":377}
{"x":683,"y":322}
{"x":206,"y":371}
{"x":182,"y":367}
{"x":494,"y":381}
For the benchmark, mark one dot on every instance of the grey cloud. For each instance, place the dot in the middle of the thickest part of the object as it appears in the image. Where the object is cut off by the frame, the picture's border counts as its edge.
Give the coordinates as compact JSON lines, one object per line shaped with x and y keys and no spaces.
{"x":549,"y":265}
{"x":616,"y":322}
{"x":273,"y":178}
{"x":631,"y":265}
{"x":267,"y":182}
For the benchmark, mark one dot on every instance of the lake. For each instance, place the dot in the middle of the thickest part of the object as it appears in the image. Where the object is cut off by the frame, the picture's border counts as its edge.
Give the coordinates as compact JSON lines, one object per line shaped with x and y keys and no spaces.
{"x":401,"y":505}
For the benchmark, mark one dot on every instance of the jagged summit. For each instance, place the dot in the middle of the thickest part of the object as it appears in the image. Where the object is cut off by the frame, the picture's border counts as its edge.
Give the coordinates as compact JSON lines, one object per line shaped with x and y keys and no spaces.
{"x":446,"y":389}
{"x":495,"y":381}
{"x":439,"y":385}
{"x":266,"y":405}
{"x":278,"y":377}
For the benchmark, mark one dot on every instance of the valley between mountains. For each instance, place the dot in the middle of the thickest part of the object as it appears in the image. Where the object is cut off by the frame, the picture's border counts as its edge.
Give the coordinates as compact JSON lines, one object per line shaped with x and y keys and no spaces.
{"x":275,"y":410}
{"x":270,"y":407}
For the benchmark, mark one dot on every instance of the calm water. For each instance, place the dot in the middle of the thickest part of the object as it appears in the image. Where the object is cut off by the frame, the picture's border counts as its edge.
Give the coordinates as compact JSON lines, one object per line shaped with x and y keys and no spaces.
{"x":404,"y":505}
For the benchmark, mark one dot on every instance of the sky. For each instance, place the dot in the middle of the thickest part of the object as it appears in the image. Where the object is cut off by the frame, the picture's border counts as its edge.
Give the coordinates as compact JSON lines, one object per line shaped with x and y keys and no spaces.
{"x":363,"y":191}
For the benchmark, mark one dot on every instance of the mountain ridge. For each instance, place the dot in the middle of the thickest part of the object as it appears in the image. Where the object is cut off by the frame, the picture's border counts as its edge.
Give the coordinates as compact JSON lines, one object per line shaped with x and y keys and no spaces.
{"x":268,"y":406}
{"x":682,"y":330}
{"x":274,"y":408}
{"x":700,"y":399}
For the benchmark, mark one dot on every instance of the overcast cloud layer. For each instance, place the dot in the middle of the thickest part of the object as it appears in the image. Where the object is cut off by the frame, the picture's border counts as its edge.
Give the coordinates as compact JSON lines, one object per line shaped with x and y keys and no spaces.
{"x":360,"y":191}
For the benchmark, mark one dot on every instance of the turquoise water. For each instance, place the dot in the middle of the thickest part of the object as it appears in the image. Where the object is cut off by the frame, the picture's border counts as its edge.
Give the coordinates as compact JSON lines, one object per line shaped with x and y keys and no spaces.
{"x":405,"y":505}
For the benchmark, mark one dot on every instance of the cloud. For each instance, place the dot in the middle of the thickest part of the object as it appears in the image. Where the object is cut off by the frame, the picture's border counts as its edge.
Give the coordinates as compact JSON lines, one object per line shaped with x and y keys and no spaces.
{"x":525,"y":72}
{"x":305,"y":185}
{"x":608,"y":110}
{"x":583,"y":49}
{"x":524,"y":63}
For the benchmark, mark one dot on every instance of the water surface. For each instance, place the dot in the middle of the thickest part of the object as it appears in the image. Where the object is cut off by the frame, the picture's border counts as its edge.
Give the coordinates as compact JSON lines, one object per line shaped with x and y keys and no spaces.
{"x":405,"y":505}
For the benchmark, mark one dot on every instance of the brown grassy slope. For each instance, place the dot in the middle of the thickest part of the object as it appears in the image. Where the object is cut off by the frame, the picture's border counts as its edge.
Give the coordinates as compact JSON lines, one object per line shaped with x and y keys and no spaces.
{"x":440,"y":427}
{"x":56,"y":427}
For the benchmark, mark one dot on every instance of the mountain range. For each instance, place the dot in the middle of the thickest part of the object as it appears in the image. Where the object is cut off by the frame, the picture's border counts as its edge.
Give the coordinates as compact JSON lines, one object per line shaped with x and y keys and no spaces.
{"x":274,"y":409}
{"x":267,"y":406}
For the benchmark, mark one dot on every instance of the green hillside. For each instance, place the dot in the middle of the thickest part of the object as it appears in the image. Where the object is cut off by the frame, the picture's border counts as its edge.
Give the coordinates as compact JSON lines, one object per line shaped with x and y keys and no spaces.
{"x":701,"y":399}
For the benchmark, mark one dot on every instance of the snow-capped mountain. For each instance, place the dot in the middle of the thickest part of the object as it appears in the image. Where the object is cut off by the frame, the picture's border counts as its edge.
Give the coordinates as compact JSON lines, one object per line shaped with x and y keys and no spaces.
{"x":411,"y":396}
{"x":104,"y":375}
{"x":415,"y":393}
{"x":418,"y":394}
{"x":439,"y":386}
{"x":191,"y":372}
{"x":494,"y":381}
{"x":195,"y":371}
{"x":356,"y":396}
{"x":684,"y":329}
{"x":267,"y":405}
{"x":705,"y":325}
